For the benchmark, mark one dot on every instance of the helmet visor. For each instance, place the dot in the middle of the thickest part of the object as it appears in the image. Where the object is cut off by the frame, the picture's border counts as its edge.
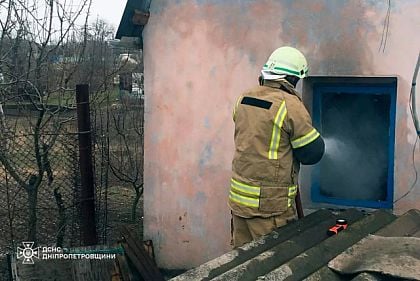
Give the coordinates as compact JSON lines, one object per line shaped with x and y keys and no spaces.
{"x":268,"y":75}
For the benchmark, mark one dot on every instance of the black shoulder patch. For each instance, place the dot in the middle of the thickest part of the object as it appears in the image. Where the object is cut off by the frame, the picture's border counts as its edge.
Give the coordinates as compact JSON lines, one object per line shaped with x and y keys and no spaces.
{"x":256,"y":102}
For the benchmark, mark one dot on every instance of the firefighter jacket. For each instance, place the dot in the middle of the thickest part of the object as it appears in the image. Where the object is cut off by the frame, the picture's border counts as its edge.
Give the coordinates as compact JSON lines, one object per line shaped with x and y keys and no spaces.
{"x":269,"y":124}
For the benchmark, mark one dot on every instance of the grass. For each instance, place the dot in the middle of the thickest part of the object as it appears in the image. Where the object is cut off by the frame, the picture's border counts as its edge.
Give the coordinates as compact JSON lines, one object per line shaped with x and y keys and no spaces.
{"x":68,"y":99}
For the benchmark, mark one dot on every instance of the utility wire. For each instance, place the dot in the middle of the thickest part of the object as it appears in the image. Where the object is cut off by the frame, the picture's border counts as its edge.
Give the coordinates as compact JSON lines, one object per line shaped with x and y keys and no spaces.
{"x":413,"y":109}
{"x":415,"y":174}
{"x":385,"y":29}
{"x":413,"y":104}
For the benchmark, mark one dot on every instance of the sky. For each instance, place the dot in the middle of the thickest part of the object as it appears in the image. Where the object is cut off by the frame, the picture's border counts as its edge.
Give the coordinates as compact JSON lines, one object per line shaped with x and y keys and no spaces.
{"x":109,"y":10}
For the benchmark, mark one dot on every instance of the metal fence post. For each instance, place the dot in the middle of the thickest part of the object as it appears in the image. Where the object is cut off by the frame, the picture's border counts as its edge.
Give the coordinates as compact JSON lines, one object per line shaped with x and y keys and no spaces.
{"x":87,"y":204}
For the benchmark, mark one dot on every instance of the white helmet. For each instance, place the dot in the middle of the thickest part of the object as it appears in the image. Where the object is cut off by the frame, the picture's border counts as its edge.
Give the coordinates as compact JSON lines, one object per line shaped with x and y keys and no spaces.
{"x":287,"y":61}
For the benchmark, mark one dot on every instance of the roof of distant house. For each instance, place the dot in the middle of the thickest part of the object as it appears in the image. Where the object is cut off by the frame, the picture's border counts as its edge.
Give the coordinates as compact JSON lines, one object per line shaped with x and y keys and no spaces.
{"x":134,"y":19}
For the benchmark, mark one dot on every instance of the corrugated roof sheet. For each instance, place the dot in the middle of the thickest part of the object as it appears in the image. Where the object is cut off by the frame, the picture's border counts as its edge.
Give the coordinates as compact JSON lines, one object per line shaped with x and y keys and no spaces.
{"x":302,"y":250}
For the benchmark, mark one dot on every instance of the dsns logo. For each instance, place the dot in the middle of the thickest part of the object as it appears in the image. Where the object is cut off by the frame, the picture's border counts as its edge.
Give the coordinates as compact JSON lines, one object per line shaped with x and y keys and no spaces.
{"x":28,"y":253}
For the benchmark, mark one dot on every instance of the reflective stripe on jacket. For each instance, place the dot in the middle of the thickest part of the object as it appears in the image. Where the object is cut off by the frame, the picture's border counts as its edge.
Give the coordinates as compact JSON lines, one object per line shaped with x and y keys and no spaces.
{"x":269,"y":123}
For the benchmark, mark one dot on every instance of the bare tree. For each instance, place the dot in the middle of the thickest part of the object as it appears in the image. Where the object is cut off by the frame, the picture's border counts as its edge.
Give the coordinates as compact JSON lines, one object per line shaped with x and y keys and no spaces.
{"x":126,"y":149}
{"x":35,"y":36}
{"x":46,"y":48}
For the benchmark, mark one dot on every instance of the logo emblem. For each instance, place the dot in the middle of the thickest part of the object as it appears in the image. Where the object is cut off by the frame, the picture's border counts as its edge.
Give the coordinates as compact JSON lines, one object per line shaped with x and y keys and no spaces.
{"x":28,"y":252}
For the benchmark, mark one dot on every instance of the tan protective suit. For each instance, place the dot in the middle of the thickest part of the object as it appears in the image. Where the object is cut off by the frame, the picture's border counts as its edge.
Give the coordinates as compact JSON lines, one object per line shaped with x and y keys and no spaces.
{"x":269,"y":123}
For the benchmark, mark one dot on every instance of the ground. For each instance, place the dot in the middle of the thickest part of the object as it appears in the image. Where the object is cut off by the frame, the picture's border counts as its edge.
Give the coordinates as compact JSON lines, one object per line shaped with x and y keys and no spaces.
{"x":119,"y":213}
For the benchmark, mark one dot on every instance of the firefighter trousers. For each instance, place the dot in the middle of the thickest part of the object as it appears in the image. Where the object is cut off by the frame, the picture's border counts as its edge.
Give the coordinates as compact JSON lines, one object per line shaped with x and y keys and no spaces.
{"x":245,"y":230}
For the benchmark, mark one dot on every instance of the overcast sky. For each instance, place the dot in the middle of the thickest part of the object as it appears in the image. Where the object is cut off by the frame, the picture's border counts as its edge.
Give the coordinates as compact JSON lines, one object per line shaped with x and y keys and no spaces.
{"x":109,"y":10}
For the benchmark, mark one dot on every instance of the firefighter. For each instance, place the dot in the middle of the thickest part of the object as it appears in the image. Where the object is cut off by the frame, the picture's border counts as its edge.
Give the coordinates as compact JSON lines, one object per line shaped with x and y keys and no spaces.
{"x":273,"y":136}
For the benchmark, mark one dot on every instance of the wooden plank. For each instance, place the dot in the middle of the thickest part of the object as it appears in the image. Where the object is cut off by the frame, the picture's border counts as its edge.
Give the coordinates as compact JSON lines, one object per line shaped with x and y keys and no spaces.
{"x":136,"y":253}
{"x":45,"y":270}
{"x":116,"y":273}
{"x":139,"y":265}
{"x":91,"y":270}
{"x":124,"y":269}
{"x":148,"y":246}
{"x":140,"y":258}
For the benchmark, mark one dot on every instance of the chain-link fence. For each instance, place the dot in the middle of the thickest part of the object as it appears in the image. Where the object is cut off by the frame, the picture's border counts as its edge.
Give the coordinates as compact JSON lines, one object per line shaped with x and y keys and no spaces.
{"x":40,"y":180}
{"x":118,"y":156}
{"x":39,"y":206}
{"x":45,"y":212}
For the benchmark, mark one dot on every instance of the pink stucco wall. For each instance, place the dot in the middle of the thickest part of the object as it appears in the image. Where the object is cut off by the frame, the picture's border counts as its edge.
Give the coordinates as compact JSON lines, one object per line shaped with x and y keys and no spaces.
{"x":199,"y":55}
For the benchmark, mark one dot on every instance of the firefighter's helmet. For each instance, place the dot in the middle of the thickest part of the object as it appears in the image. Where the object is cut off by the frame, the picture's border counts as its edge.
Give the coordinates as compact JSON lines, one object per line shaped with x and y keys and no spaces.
{"x":287,"y":61}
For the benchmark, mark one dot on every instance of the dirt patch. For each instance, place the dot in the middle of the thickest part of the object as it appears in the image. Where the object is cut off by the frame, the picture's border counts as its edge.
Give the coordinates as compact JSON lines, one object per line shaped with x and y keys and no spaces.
{"x":119,"y":203}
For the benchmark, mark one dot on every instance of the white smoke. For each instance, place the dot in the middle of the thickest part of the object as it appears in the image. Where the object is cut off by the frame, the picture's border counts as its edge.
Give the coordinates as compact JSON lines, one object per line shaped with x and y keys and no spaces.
{"x":355,"y":162}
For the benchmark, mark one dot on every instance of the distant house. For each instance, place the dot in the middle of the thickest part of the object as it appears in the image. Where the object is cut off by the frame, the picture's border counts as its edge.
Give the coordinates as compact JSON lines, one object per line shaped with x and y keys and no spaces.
{"x":130,"y":77}
{"x":198,"y":57}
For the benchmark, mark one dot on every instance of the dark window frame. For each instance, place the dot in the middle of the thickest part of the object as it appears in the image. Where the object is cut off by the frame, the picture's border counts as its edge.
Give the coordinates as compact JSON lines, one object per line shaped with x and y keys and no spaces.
{"x":359,"y":85}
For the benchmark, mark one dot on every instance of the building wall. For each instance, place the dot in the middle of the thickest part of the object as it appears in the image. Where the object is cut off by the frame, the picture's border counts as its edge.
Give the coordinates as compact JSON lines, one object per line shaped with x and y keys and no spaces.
{"x":199,"y":55}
